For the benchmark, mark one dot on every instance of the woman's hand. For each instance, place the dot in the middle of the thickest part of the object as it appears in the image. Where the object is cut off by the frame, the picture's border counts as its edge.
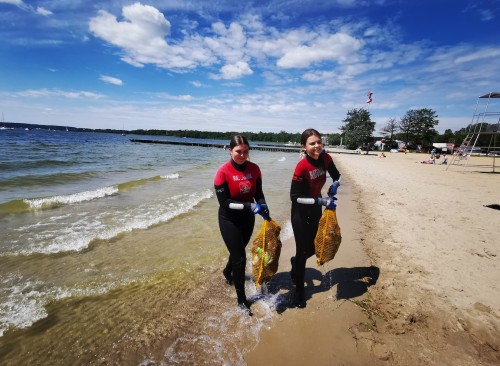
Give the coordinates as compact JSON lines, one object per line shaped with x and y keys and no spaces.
{"x":328,"y":202}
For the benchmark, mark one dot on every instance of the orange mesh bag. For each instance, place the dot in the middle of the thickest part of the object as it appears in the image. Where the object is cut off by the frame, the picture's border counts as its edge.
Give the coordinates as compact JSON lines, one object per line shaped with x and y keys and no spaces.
{"x":266,"y":250}
{"x":328,"y":238}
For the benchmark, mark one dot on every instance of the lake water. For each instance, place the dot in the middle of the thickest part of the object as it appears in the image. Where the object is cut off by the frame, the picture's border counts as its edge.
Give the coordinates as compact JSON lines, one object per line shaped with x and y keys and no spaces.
{"x":110,"y":251}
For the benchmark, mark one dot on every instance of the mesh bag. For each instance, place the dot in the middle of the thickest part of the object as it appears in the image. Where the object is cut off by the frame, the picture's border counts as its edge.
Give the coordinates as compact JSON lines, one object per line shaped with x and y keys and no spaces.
{"x":328,"y":238}
{"x":266,"y":251}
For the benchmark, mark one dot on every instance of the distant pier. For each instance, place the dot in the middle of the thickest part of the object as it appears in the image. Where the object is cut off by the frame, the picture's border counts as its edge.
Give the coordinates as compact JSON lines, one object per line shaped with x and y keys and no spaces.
{"x":274,"y":147}
{"x":280,"y":148}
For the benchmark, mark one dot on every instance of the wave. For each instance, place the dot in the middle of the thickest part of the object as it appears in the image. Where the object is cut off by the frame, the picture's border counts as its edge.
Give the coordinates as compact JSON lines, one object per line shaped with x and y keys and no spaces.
{"x":57,"y":236}
{"x":55,"y":201}
{"x":19,"y":165}
{"x":25,"y":301}
{"x":48,"y":179}
{"x":29,"y":204}
{"x":137,"y":183}
{"x":21,"y":305}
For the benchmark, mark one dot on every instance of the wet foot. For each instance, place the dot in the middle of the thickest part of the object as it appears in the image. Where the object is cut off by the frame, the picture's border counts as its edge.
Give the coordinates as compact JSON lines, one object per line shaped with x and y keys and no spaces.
{"x":300,"y":300}
{"x":245,"y":306}
{"x":228,"y":276}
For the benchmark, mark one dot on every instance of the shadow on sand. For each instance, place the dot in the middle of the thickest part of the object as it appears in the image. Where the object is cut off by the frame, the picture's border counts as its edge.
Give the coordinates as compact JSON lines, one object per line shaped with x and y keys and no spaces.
{"x":351,"y":283}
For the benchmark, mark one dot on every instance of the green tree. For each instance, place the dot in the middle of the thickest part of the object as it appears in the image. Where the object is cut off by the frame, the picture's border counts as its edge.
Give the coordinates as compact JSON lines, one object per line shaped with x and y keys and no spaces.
{"x":358,"y":128}
{"x":417,"y":125}
{"x":389,"y":131}
{"x":334,"y":139}
{"x":448,"y":136}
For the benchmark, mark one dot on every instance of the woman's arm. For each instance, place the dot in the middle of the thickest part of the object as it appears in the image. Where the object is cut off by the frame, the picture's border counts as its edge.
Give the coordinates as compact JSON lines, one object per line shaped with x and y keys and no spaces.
{"x":259,"y":194}
{"x":333,"y":171}
{"x":225,"y":200}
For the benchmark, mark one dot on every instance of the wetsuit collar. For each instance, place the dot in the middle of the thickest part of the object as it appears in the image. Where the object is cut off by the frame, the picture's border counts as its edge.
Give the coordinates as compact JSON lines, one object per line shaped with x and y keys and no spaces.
{"x":239,"y":167}
{"x":315,"y":162}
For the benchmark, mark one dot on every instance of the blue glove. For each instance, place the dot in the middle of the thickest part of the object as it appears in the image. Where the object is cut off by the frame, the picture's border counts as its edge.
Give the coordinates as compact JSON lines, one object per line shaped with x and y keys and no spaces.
{"x":264,"y":211}
{"x":332,"y":191}
{"x":256,"y":208}
{"x":328,"y":202}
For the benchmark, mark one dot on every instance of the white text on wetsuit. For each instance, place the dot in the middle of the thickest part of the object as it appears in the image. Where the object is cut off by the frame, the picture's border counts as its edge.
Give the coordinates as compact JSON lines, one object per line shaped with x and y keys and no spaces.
{"x":245,"y":177}
{"x":313,"y":174}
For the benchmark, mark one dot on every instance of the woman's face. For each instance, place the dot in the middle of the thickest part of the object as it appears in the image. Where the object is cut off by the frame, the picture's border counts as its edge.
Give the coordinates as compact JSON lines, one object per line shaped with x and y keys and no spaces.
{"x":239,"y":153}
{"x":313,"y":146}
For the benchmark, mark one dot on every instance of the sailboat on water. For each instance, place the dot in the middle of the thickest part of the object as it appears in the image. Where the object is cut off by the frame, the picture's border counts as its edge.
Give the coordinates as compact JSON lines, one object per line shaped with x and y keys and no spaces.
{"x":2,"y":127}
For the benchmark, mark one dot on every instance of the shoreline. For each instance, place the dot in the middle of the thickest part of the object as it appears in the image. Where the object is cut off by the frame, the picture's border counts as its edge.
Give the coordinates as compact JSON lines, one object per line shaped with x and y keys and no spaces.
{"x":436,"y":300}
{"x":331,"y":329}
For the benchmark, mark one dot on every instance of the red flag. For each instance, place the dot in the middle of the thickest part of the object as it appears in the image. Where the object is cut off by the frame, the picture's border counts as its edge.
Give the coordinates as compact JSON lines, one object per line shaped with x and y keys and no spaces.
{"x":369,"y":96}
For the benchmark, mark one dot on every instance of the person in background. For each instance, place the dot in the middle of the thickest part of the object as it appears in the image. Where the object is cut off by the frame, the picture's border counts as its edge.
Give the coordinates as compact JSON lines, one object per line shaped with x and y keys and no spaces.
{"x":308,"y":179}
{"x":238,"y":186}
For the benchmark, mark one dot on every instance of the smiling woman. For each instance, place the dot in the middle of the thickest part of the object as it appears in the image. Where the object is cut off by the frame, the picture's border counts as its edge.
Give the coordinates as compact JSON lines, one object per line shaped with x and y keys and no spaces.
{"x":238,"y":185}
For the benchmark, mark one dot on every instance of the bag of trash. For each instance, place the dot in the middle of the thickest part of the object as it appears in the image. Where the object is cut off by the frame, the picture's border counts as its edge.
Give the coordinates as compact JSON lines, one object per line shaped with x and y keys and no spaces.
{"x":266,"y":250}
{"x":328,"y":238}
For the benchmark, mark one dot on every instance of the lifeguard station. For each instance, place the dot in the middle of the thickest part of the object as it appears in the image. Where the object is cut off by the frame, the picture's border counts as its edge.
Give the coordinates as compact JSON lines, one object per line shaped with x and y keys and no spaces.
{"x":481,"y":147}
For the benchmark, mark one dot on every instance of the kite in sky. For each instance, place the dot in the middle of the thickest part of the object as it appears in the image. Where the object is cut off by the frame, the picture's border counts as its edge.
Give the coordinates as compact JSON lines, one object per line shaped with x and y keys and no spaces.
{"x":369,"y":96}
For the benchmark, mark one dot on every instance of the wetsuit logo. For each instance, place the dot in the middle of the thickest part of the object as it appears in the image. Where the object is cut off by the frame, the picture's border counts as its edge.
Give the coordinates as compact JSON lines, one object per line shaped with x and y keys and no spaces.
{"x":313,"y":174}
{"x":245,"y":187}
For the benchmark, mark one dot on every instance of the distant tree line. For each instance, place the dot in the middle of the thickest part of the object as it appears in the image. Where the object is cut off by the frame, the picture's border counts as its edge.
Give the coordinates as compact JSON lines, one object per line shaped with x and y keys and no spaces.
{"x":415,"y":129}
{"x":280,"y":137}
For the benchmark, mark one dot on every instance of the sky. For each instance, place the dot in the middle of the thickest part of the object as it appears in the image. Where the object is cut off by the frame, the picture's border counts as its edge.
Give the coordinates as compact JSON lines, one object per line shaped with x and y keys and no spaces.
{"x":231,"y":65}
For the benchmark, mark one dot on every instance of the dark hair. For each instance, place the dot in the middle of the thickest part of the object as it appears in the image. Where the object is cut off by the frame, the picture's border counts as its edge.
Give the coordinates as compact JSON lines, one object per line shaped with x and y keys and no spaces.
{"x":308,"y":133}
{"x":238,"y":140}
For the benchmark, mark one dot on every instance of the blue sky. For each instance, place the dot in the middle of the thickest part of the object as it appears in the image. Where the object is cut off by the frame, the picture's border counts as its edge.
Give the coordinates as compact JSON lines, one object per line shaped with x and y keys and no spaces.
{"x":230,"y":65}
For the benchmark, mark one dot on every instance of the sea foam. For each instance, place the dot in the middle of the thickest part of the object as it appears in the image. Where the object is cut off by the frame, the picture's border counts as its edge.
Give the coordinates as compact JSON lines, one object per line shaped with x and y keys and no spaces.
{"x":60,"y":236}
{"x":54,"y":201}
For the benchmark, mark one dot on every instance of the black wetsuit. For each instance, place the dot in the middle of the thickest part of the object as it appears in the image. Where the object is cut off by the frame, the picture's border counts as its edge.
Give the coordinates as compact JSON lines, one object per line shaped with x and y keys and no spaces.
{"x":236,"y":187}
{"x":308,"y":180}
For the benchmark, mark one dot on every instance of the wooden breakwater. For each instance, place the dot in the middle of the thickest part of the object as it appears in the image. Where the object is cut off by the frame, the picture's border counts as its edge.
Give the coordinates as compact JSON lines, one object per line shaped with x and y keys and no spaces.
{"x":280,"y":148}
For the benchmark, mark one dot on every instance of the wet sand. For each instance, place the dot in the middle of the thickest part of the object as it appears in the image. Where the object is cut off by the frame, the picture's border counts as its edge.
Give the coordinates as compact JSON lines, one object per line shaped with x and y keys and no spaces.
{"x":415,"y":280}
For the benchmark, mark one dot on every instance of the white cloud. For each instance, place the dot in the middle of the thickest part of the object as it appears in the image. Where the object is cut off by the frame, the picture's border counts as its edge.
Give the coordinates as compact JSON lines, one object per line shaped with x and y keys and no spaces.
{"x":43,"y":11}
{"x":235,"y":71}
{"x":18,"y":3}
{"x":46,"y":93}
{"x":111,"y":80}
{"x":315,"y":76}
{"x":142,"y":37}
{"x":230,"y":43}
{"x":486,"y":15}
{"x":22,"y":5}
{"x":180,"y":98}
{"x":338,"y":47}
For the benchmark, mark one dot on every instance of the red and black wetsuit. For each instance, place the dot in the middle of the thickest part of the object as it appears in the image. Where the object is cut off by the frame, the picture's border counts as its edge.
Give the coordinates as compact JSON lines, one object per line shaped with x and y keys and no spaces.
{"x":236,"y":187}
{"x":308,"y":180}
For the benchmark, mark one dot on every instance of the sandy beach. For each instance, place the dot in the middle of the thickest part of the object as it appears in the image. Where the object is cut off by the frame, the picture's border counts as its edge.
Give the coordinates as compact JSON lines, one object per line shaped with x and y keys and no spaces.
{"x":415,"y":280}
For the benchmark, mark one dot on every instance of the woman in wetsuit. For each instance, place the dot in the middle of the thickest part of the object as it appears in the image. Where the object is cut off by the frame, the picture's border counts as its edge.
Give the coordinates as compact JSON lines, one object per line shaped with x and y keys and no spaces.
{"x":238,"y":186}
{"x":305,"y":192}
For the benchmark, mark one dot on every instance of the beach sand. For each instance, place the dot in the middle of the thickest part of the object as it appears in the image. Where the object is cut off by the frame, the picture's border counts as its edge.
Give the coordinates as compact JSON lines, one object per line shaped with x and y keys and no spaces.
{"x":416,"y":278}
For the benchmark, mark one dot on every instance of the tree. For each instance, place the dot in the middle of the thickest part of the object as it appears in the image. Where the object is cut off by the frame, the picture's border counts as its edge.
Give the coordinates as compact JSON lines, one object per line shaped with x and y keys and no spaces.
{"x":334,"y":139}
{"x":358,"y":128}
{"x":390,"y":130}
{"x":417,"y":125}
{"x":448,"y":136}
